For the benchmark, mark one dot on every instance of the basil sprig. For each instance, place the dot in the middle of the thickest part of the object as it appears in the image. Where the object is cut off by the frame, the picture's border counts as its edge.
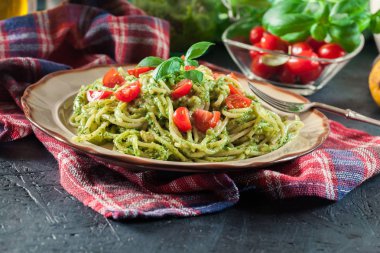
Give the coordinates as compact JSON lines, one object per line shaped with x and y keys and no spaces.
{"x":172,"y":66}
{"x":338,"y":21}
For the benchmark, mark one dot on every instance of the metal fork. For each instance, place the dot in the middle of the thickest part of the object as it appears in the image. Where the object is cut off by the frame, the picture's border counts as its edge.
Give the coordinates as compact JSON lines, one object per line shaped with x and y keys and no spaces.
{"x":303,"y":107}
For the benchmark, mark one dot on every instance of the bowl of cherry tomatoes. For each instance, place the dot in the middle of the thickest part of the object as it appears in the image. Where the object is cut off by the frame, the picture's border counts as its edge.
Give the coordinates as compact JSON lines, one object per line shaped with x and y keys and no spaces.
{"x":303,"y":67}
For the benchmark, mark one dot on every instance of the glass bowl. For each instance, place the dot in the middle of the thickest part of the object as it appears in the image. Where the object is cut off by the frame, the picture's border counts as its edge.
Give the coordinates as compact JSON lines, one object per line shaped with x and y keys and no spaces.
{"x":236,"y":40}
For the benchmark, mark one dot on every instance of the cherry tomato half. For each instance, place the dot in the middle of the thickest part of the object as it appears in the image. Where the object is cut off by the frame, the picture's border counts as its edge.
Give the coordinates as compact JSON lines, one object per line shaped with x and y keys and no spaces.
{"x":315,"y":44}
{"x":93,"y":95}
{"x":182,"y":88}
{"x":300,"y":47}
{"x":299,"y":65}
{"x":128,"y":93}
{"x":234,"y":90}
{"x":237,"y":101}
{"x":256,"y":34}
{"x":181,"y":119}
{"x":272,"y":42}
{"x":112,"y":77}
{"x":260,"y":69}
{"x":138,"y":71}
{"x":204,"y":120}
{"x":331,"y":51}
{"x":187,"y":68}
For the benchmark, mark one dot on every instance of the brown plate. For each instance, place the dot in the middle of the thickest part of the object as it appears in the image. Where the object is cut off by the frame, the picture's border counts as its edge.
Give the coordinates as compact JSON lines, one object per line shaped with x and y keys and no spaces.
{"x":48,"y":105}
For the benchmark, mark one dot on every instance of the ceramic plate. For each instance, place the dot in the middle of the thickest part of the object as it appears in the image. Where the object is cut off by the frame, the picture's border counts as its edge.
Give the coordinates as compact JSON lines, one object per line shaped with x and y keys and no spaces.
{"x":48,"y":105}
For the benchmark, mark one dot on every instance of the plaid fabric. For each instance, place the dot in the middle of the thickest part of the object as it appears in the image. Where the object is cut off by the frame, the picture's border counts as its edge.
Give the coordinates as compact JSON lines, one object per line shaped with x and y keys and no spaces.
{"x":72,"y":36}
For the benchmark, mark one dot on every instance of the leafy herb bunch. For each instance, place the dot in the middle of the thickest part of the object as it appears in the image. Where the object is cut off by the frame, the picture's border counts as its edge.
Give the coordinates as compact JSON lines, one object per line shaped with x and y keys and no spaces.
{"x":338,"y":21}
{"x":172,"y":66}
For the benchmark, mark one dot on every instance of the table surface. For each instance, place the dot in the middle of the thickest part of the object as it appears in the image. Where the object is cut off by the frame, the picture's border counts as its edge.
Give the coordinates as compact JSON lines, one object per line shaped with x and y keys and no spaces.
{"x":37,"y":215}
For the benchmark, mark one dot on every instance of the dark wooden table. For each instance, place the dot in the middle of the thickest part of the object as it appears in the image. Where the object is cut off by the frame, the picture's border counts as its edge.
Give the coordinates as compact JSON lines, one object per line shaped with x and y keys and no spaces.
{"x":37,"y":215}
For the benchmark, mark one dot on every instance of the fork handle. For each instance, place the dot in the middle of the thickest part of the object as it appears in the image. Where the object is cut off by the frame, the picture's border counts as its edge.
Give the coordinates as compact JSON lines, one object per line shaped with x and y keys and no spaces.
{"x":349,"y":114}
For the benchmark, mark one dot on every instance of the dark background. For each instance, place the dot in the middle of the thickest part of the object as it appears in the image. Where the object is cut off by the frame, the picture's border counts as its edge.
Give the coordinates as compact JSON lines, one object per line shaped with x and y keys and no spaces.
{"x":37,"y":215}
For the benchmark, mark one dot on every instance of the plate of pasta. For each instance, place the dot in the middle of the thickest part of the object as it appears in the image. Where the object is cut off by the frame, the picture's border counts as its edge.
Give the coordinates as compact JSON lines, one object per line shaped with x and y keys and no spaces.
{"x":173,"y":114}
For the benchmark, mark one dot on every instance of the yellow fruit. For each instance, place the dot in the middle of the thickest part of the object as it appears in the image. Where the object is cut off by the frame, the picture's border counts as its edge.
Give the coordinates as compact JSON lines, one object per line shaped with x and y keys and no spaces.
{"x":11,"y":8}
{"x":374,"y":82}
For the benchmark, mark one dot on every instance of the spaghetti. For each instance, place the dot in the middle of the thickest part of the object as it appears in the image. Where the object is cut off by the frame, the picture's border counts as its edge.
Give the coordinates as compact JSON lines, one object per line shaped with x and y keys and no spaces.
{"x":147,"y":126}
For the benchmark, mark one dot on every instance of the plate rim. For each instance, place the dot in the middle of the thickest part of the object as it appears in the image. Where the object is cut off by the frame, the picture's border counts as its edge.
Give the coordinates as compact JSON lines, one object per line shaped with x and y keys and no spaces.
{"x":172,"y":165}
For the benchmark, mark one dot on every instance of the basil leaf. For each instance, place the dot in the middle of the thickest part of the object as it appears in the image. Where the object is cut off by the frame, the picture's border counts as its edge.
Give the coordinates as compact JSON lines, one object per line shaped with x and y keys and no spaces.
{"x":150,"y":61}
{"x":375,"y":22}
{"x":295,"y":37}
{"x":170,"y":66}
{"x":197,"y":50}
{"x":287,"y":17}
{"x":351,"y":7}
{"x":318,"y":31}
{"x":363,"y":20}
{"x":194,"y":75}
{"x":346,"y":36}
{"x":189,"y":62}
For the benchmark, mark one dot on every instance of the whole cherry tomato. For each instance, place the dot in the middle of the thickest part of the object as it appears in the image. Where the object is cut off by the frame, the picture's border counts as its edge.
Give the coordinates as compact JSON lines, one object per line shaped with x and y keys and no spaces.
{"x":300,"y":47}
{"x":182,"y":88}
{"x":272,"y":42}
{"x":261,"y":69}
{"x":315,"y":44}
{"x":181,"y":119}
{"x":287,"y":76}
{"x":112,"y":78}
{"x":311,"y":75}
{"x":204,"y":120}
{"x":298,"y":65}
{"x":256,"y":34}
{"x":331,"y":51}
{"x":237,"y":101}
{"x":254,"y":53}
{"x":128,"y":93}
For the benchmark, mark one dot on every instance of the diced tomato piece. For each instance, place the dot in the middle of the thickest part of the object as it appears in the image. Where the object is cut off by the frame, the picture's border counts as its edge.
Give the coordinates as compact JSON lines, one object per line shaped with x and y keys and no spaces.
{"x":233,"y":75}
{"x":182,"y":88}
{"x":183,"y":57}
{"x":112,"y":78}
{"x":181,"y":119}
{"x":93,"y":95}
{"x":237,"y":101}
{"x":216,"y":75}
{"x":128,"y":93}
{"x":138,"y":71}
{"x":187,"y":68}
{"x":234,"y":90}
{"x":205,"y":120}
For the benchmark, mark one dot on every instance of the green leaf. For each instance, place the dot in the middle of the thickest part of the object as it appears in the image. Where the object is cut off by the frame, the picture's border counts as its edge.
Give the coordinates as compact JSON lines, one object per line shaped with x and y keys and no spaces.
{"x":375,"y":22}
{"x":318,"y":31}
{"x":363,"y":20}
{"x":288,"y":17}
{"x":194,"y":75}
{"x":150,"y":61}
{"x":197,"y":50}
{"x":189,"y":62}
{"x":346,"y":36}
{"x":170,"y":66}
{"x":295,"y":37}
{"x":351,"y":7}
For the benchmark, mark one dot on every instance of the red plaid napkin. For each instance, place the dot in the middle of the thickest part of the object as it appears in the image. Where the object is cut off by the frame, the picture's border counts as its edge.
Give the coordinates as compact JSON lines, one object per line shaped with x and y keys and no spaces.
{"x":72,"y":36}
